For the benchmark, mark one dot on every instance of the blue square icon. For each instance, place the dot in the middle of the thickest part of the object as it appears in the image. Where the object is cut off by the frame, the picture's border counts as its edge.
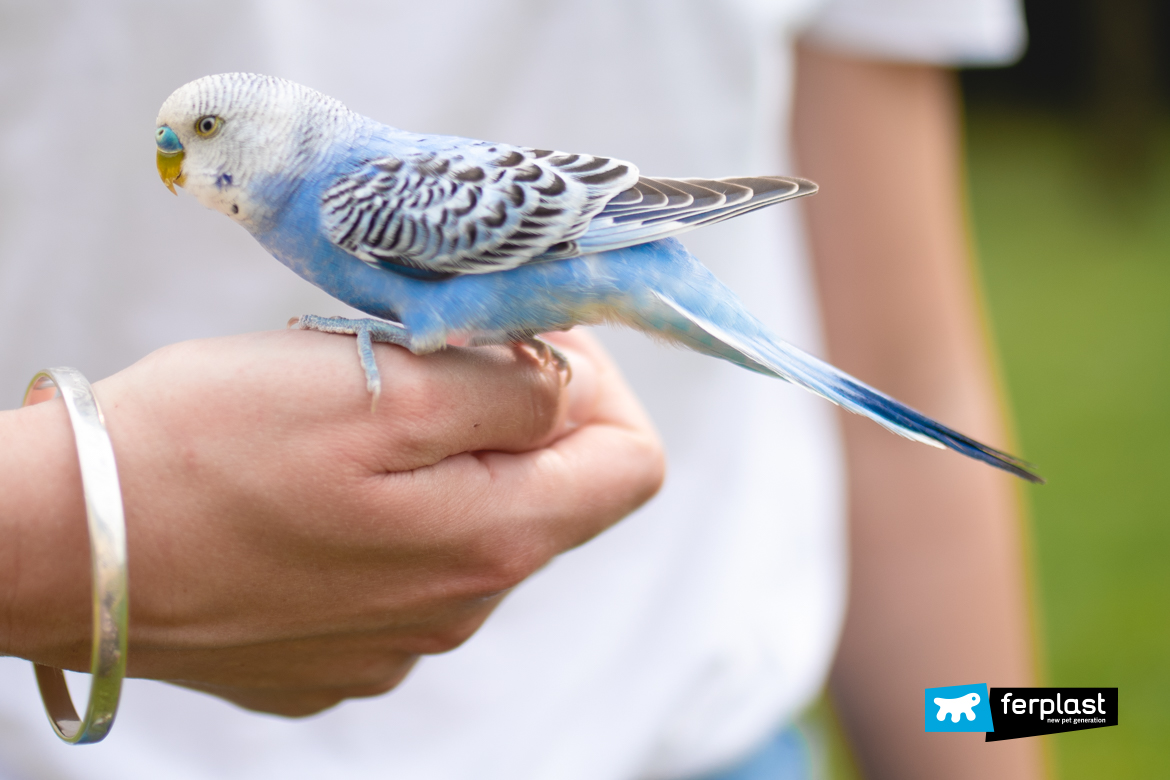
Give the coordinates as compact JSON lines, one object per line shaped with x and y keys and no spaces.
{"x":958,"y":708}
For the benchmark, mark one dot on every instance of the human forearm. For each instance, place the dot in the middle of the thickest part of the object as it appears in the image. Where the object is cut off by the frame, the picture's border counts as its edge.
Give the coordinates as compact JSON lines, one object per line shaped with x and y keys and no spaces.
{"x":287,"y":547}
{"x":44,"y":558}
{"x":937,"y":593}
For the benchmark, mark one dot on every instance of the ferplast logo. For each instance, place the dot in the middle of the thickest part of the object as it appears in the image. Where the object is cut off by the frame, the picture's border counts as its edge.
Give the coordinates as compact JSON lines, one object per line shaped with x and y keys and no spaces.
{"x":1044,"y":707}
{"x":1029,"y":712}
{"x":1010,"y":713}
{"x":958,"y":708}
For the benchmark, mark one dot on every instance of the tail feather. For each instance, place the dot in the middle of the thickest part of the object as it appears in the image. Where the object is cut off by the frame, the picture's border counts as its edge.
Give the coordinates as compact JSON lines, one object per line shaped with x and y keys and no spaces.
{"x":766,"y":354}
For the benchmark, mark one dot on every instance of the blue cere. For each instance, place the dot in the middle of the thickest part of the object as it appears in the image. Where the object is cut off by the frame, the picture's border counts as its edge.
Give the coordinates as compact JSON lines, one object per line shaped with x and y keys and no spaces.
{"x":168,"y":142}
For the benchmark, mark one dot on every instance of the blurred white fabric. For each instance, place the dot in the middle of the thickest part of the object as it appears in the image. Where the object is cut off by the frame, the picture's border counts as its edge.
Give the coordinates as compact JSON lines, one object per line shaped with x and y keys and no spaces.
{"x":674,"y":642}
{"x":940,"y":32}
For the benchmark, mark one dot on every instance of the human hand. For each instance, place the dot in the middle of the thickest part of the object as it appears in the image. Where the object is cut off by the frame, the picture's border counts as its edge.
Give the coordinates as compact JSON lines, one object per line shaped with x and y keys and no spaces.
{"x":287,"y":548}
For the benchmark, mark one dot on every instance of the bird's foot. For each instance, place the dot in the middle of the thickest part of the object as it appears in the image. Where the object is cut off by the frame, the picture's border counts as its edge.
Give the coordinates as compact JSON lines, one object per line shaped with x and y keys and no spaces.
{"x":547,"y":353}
{"x":367,"y":331}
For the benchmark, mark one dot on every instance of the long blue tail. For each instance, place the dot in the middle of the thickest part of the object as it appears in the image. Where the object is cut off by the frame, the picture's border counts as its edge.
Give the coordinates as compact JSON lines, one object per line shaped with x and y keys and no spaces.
{"x":716,"y":323}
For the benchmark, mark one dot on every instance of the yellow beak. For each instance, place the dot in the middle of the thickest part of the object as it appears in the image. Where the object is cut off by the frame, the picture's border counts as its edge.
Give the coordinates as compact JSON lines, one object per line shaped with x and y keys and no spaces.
{"x":170,"y":169}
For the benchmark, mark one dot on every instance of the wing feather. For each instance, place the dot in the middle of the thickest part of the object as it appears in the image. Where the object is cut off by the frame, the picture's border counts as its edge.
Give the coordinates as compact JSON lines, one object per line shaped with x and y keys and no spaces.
{"x":477,"y":207}
{"x":661,"y":212}
{"x":472,"y":207}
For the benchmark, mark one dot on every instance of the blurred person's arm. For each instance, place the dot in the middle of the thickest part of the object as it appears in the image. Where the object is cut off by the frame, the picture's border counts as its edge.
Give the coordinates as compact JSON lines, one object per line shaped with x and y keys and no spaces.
{"x":938,"y":592}
{"x":288,"y":548}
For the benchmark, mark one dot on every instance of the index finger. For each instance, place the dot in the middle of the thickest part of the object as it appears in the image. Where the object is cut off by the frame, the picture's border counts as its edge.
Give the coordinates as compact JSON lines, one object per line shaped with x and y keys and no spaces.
{"x":501,"y":398}
{"x":525,"y":507}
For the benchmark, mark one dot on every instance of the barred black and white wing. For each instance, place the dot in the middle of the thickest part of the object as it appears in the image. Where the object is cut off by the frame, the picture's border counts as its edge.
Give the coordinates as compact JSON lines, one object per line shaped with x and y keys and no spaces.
{"x":471,"y":208}
{"x":657,"y":208}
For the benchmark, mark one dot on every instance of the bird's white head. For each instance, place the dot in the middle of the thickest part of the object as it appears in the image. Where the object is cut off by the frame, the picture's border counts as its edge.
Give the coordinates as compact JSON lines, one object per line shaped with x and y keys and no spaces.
{"x":224,"y":137}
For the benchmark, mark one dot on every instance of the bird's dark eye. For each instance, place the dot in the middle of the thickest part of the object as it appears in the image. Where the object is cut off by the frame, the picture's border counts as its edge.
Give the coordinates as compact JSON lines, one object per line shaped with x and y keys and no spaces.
{"x":207,"y":126}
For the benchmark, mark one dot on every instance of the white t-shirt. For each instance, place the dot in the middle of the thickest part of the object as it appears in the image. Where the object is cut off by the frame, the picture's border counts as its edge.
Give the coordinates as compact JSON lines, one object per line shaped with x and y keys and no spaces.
{"x":671,"y":644}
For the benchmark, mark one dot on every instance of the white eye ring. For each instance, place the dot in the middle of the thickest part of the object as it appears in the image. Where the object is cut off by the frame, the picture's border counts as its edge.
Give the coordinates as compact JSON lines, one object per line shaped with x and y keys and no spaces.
{"x":207,"y":126}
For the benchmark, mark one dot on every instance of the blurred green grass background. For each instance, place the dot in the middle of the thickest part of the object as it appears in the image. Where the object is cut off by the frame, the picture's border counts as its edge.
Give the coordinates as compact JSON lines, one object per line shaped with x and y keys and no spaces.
{"x":1076,"y":270}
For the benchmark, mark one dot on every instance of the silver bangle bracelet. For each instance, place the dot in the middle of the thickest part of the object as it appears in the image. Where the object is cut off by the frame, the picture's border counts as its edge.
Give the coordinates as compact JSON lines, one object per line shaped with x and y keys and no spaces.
{"x":107,"y":546}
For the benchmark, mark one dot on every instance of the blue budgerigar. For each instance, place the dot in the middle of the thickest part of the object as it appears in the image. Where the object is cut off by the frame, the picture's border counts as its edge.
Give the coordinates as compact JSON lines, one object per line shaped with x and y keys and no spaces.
{"x":450,"y":239}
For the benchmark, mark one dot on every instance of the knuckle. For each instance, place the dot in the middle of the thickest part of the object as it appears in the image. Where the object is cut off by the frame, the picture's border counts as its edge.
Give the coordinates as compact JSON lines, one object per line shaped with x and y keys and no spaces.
{"x":371,"y":675}
{"x":308,"y":707}
{"x":301,"y":705}
{"x":505,"y":563}
{"x":508,"y":573}
{"x":370,"y":691}
{"x":385,"y":684}
{"x":444,"y":639}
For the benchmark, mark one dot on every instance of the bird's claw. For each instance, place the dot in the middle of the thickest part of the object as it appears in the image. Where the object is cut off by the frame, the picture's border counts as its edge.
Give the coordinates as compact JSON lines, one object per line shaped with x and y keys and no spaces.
{"x":547,"y":353}
{"x":367,"y":332}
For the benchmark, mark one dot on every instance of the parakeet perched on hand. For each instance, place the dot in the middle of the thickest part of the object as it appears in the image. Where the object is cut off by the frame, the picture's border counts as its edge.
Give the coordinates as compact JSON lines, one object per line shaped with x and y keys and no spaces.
{"x":451,"y":239}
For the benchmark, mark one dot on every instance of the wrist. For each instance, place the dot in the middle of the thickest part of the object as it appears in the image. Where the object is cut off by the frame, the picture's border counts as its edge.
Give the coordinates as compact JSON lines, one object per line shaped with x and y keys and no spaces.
{"x":45,"y":611}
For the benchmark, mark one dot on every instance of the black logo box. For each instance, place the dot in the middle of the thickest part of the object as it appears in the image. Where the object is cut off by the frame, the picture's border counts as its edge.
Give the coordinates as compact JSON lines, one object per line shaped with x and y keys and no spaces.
{"x":1049,"y":711}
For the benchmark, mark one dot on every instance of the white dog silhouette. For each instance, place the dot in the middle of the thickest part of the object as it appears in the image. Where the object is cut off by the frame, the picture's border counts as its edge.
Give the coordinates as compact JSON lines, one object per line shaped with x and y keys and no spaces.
{"x":964,"y":705}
